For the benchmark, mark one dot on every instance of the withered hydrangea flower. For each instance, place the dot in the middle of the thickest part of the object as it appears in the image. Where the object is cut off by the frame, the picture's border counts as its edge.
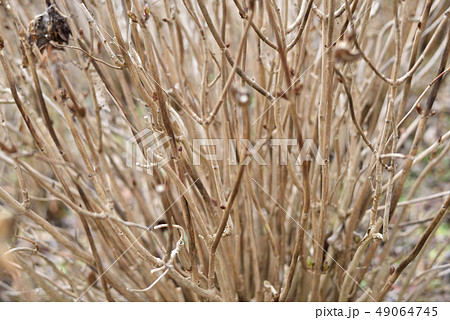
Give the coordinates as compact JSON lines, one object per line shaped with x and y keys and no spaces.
{"x":49,"y":26}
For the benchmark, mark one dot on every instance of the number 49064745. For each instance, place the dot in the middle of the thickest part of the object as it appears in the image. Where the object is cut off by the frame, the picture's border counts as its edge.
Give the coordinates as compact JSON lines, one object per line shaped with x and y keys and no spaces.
{"x":403,"y":311}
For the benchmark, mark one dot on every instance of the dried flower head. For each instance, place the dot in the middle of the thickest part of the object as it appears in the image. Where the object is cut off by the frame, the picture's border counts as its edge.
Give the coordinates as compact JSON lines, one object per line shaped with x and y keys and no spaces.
{"x":49,"y":26}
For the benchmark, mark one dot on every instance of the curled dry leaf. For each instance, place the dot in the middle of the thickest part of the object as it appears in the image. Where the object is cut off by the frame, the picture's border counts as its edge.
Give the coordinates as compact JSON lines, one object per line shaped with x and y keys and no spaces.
{"x":344,"y":53}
